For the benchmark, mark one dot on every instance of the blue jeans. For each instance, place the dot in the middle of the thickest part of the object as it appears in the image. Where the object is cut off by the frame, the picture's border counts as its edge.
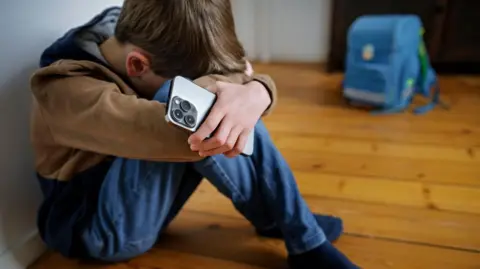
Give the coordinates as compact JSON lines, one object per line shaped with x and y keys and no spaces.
{"x":138,"y":199}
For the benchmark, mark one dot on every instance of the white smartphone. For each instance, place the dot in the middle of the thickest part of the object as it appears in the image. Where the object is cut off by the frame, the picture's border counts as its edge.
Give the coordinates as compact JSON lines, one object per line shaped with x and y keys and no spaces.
{"x":188,"y":106}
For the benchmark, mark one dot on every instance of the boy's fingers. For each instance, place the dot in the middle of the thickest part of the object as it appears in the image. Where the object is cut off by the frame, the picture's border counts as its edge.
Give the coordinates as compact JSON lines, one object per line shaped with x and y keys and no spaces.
{"x":239,"y":146}
{"x":219,"y":138}
{"x":208,"y":126}
{"x":216,"y":115}
{"x":225,"y":147}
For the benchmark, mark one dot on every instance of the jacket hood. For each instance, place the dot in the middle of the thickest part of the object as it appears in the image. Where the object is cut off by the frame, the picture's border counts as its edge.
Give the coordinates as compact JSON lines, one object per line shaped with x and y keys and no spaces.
{"x":80,"y":43}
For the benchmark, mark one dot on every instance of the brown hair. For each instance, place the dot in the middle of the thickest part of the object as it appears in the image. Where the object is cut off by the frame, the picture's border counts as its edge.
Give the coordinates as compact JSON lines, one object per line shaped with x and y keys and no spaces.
{"x":190,"y":38}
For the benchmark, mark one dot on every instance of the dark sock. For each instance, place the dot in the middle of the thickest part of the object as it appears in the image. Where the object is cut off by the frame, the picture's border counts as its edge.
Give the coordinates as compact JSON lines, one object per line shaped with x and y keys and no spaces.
{"x":325,"y":256}
{"x":331,"y":226}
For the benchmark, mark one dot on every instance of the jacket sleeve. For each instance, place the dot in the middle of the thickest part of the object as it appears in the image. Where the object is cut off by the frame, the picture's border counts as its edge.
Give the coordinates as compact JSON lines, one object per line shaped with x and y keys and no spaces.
{"x":93,"y":115}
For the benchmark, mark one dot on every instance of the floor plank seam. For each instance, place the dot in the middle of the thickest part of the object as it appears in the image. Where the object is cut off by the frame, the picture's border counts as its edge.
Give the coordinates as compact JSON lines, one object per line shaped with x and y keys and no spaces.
{"x":372,"y":140}
{"x":433,"y":209}
{"x":470,"y":250}
{"x":396,"y":179}
{"x":376,"y":139}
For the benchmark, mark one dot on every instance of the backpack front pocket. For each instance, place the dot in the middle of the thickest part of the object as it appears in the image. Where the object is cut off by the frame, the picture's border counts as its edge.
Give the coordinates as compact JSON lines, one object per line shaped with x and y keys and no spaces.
{"x":367,"y":83}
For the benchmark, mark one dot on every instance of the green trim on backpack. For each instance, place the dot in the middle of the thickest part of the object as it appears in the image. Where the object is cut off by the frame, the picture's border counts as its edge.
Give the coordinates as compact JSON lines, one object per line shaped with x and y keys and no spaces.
{"x":422,"y":53}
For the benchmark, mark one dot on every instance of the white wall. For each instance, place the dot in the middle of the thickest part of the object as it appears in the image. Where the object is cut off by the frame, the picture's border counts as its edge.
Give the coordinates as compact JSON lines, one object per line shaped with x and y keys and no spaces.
{"x":284,"y":30}
{"x":27,"y":28}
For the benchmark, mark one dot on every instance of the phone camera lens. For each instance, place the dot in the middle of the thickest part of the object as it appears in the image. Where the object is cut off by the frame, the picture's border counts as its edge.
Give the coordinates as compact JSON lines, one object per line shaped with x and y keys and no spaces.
{"x":178,"y":114}
{"x":190,"y":120}
{"x":176,"y":100}
{"x":185,"y":106}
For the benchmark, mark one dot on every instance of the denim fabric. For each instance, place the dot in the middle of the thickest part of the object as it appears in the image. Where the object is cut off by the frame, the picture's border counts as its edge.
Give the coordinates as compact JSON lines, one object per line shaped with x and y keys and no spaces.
{"x":139,"y":198}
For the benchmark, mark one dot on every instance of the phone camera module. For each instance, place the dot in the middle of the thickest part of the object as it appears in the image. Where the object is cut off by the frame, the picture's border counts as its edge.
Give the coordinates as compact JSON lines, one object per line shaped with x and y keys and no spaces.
{"x":183,"y":112}
{"x":185,"y":106}
{"x":177,"y":114}
{"x":190,"y":121}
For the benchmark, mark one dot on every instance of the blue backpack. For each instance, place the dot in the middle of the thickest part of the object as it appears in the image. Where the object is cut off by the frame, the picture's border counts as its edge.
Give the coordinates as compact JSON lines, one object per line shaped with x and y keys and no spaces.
{"x":387,"y":64}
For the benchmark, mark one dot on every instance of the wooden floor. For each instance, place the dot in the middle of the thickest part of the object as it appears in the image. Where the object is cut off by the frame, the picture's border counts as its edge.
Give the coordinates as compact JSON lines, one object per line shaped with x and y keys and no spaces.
{"x":407,"y":187}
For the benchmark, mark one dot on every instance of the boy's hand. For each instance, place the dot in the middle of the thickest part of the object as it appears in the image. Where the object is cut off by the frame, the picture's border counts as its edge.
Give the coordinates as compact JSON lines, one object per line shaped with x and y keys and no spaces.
{"x":233,"y":117}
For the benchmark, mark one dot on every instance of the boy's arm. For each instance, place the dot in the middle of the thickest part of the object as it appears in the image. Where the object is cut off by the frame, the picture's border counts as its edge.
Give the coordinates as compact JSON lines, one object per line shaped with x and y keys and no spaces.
{"x":93,"y":115}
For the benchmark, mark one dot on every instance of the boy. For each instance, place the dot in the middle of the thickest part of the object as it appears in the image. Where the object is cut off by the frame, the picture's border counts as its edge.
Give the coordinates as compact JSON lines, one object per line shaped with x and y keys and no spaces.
{"x":114,"y":174}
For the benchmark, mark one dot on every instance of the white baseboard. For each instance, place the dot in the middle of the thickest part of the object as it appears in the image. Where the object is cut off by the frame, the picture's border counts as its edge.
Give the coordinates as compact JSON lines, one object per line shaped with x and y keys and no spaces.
{"x":23,"y":254}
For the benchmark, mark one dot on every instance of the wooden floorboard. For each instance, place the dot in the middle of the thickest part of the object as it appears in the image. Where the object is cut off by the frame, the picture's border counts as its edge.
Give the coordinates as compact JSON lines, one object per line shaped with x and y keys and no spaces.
{"x":391,"y":192}
{"x":406,"y":169}
{"x":417,"y":152}
{"x":406,"y":186}
{"x":379,"y":132}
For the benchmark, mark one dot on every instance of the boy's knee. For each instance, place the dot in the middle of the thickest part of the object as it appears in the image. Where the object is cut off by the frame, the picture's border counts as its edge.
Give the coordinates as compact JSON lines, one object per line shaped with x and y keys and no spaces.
{"x":111,"y":251}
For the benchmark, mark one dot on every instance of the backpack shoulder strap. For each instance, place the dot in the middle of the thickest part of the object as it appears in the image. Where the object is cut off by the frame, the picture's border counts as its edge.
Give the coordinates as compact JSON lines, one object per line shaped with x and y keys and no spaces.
{"x":428,"y":79}
{"x":434,"y":101}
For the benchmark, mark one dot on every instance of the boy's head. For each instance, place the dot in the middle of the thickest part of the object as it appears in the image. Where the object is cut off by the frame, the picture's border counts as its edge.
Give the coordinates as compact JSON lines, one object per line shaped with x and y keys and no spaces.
{"x":190,"y":38}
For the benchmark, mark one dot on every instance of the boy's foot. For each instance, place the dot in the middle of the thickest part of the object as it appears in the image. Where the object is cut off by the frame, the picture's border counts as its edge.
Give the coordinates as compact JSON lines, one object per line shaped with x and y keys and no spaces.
{"x":326,"y":256}
{"x":331,"y":226}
